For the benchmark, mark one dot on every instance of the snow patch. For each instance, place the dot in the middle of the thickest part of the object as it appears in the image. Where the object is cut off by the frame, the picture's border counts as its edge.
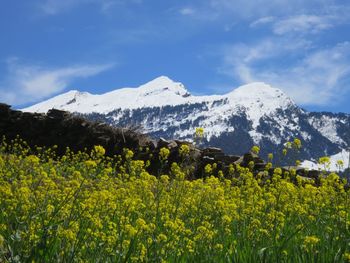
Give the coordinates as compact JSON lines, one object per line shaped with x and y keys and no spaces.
{"x":342,"y":156}
{"x":327,"y":127}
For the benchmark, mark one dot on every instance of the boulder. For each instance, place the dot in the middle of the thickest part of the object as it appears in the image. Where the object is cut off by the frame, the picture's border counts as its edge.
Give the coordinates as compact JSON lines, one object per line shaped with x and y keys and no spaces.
{"x":211,"y":150}
{"x":4,"y":110}
{"x":227,"y":159}
{"x":172,"y":145}
{"x":57,"y":114}
{"x":162,"y":143}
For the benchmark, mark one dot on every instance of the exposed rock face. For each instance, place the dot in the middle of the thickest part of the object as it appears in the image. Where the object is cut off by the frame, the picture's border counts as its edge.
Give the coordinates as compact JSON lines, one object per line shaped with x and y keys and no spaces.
{"x":66,"y":130}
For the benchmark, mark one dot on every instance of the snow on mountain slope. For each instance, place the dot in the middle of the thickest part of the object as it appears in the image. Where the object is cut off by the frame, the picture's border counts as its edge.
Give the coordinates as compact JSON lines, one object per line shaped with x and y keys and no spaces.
{"x":256,"y":98}
{"x":253,"y":114}
{"x":156,"y":93}
{"x":327,"y":127}
{"x":338,"y":162}
{"x":259,"y":99}
{"x":70,"y":99}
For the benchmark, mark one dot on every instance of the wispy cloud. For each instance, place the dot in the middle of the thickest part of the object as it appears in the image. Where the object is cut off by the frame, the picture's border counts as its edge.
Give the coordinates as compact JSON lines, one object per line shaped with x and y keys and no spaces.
{"x":286,"y":53}
{"x":315,"y":79}
{"x":308,"y":24}
{"x":250,"y":9}
{"x":54,"y":7}
{"x":187,"y":11}
{"x":285,"y":15}
{"x":262,"y":21}
{"x":303,"y":23}
{"x":28,"y":83}
{"x":266,"y":49}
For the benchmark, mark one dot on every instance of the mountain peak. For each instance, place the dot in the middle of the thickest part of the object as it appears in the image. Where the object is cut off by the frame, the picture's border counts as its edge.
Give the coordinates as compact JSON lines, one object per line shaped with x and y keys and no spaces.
{"x":258,"y":88}
{"x":161,"y":80}
{"x":163,"y":84}
{"x":260,"y":92}
{"x":258,"y":98}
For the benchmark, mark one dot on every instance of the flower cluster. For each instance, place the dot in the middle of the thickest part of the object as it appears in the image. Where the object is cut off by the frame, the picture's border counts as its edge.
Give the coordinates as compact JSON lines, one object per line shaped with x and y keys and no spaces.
{"x":90,"y":207}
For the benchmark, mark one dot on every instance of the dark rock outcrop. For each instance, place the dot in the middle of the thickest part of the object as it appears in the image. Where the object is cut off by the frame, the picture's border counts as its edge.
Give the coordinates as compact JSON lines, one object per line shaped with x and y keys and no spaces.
{"x":65,"y":130}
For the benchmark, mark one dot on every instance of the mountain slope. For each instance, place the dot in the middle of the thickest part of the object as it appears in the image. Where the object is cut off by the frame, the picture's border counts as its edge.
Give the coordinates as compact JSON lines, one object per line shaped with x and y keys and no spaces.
{"x":251,"y":114}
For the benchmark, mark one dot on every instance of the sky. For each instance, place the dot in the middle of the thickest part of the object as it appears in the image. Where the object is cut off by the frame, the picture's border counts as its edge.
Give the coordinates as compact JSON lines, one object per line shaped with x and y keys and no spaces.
{"x":48,"y":47}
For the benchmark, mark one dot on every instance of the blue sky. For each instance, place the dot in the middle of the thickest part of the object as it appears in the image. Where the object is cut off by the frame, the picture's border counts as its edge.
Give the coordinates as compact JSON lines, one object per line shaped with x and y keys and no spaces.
{"x":51,"y":46}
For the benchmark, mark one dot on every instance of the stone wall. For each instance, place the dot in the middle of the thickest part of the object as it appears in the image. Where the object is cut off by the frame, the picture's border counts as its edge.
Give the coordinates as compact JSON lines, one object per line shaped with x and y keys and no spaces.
{"x":66,"y":130}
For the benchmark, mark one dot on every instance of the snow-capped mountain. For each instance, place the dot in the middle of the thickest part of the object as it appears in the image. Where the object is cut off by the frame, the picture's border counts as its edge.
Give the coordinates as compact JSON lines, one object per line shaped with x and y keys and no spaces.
{"x":253,"y":114}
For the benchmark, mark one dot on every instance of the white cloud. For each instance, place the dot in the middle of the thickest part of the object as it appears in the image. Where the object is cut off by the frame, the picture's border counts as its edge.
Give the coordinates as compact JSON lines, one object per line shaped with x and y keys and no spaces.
{"x":262,"y":21}
{"x":303,"y":23}
{"x":267,"y":11}
{"x":27,"y":84}
{"x":265,"y":8}
{"x":315,"y":79}
{"x":267,"y":49}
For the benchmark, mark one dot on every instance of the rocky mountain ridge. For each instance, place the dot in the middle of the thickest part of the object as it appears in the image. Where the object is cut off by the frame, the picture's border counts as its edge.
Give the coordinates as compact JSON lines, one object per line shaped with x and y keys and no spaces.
{"x":253,"y":114}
